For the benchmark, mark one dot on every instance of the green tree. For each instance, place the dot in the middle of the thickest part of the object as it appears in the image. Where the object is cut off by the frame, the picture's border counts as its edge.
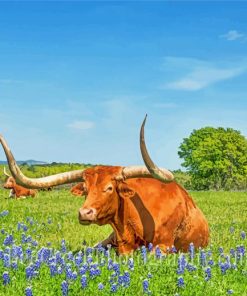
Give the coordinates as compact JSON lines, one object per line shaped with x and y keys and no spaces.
{"x":216,"y":158}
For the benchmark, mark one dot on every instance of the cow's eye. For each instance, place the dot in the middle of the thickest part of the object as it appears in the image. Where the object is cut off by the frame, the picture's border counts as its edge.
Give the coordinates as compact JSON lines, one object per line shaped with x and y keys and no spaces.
{"x":109,"y":188}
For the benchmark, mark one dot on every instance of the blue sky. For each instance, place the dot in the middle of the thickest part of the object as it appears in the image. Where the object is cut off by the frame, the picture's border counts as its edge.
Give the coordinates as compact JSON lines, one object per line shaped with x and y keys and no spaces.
{"x":76,"y":79}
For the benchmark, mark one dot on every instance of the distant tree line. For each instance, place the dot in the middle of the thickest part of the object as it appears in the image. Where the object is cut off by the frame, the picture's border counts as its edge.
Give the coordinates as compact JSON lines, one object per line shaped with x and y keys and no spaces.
{"x":214,"y":158}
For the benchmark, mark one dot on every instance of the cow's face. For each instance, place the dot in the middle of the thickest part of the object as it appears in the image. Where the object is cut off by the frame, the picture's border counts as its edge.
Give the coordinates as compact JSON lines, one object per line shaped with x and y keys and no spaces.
{"x":101,"y":202}
{"x":10,"y":183}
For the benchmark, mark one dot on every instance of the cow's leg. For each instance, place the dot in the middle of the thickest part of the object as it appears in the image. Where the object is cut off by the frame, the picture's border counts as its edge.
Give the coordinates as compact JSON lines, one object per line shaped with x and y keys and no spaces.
{"x":111,"y":240}
{"x":11,"y":193}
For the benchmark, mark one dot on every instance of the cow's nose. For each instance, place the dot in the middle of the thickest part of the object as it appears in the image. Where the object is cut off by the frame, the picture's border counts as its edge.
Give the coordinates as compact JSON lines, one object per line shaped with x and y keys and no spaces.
{"x":87,"y":215}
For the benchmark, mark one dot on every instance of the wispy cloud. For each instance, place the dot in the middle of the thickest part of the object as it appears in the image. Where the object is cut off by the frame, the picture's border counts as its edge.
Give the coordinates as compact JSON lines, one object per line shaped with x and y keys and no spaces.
{"x":81,"y":125}
{"x":233,"y":35}
{"x":201,"y":74}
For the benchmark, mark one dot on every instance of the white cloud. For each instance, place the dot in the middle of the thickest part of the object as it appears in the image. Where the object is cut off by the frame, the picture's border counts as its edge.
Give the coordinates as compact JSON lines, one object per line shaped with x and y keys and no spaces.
{"x":81,"y":125}
{"x":201,"y":74}
{"x":233,"y":35}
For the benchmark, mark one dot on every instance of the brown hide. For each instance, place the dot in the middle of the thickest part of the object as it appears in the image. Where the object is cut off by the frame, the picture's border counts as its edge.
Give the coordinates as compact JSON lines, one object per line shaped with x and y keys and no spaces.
{"x":142,"y":211}
{"x":17,"y":190}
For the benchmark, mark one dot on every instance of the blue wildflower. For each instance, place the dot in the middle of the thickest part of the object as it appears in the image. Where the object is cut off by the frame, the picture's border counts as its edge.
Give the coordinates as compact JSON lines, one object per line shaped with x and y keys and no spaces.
{"x":191,"y":251}
{"x":232,"y":229}
{"x":144,"y":254}
{"x":6,"y":260}
{"x":65,"y":288}
{"x":150,"y":247}
{"x":8,"y":240}
{"x":230,"y":291}
{"x":63,"y":246}
{"x":28,"y":291}
{"x":100,"y":286}
{"x":6,"y":278}
{"x":180,"y":282}
{"x":181,"y":264}
{"x":145,"y":285}
{"x":158,"y":253}
{"x":131,"y":264}
{"x":243,"y":235}
{"x":14,"y":265}
{"x":221,"y":250}
{"x":208,"y":274}
{"x":113,"y":288}
{"x":83,"y":282}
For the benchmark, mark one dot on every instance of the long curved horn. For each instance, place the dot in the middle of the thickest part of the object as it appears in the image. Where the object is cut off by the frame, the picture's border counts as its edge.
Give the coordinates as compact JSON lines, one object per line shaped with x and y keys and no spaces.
{"x":53,"y":180}
{"x":151,"y":170}
{"x":5,"y":173}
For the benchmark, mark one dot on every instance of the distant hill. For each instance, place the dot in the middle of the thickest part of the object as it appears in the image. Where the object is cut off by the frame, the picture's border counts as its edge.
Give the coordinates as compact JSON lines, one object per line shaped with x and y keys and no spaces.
{"x":29,"y":162}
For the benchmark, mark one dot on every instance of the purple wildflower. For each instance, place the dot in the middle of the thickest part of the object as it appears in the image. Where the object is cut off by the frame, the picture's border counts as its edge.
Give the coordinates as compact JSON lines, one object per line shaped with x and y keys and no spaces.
{"x":65,"y":288}
{"x":6,"y":278}
{"x":83,"y":282}
{"x":28,"y":291}
{"x":100,"y":286}
{"x":180,"y":282}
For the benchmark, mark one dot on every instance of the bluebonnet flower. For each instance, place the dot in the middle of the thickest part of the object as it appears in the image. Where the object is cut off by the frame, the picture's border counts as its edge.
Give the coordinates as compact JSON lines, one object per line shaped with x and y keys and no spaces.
{"x":124,"y":279}
{"x":145,"y":285}
{"x":14,"y":265}
{"x":49,"y":221}
{"x":53,"y":269}
{"x":211,"y":262}
{"x":202,"y":258}
{"x":131,"y":264}
{"x":29,"y":253}
{"x":100,"y":286}
{"x":230,"y":291}
{"x":180,"y":282}
{"x":4,"y":213}
{"x":8,"y":240}
{"x":37,"y":264}
{"x":78,"y":260}
{"x":150,"y":247}
{"x":181,"y":264}
{"x":243,"y":235}
{"x":1,"y":254}
{"x":83,"y":282}
{"x":59,"y":270}
{"x":82,"y":270}
{"x":116,"y":268}
{"x":232,"y":229}
{"x":224,"y":266}
{"x":6,"y":278}
{"x":28,"y":291}
{"x":2,"y":231}
{"x":34,"y":243}
{"x":221,"y":250}
{"x":63,"y":246}
{"x":70,"y":256}
{"x":65,"y":288}
{"x":144,"y":254}
{"x":6,"y":260}
{"x":190,"y":267}
{"x":89,"y":259}
{"x":114,"y":288}
{"x":31,"y":272}
{"x":93,"y":272}
{"x":232,"y":252}
{"x":158,"y":253}
{"x":150,"y":275}
{"x":89,"y":251}
{"x":173,"y":249}
{"x":191,"y":251}
{"x":208,"y":274}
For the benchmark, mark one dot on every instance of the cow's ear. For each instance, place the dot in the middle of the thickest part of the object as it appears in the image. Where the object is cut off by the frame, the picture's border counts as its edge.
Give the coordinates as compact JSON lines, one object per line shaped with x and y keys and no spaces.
{"x":79,"y":189}
{"x":125,"y":191}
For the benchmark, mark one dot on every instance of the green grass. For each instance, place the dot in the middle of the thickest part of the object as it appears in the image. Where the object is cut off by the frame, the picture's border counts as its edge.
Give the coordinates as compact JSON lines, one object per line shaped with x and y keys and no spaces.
{"x":55,"y":216}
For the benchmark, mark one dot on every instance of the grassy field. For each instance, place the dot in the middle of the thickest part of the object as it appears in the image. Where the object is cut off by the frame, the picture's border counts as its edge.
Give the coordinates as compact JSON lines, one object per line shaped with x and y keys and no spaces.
{"x":42,"y":246}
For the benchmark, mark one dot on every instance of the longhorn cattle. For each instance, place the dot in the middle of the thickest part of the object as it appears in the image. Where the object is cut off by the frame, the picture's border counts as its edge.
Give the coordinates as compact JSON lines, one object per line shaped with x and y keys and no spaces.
{"x":142,"y":204}
{"x":16,"y":190}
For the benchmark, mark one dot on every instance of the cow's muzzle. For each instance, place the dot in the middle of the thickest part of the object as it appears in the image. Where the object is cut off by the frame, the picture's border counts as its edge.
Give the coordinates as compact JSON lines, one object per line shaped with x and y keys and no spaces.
{"x":87,"y":216}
